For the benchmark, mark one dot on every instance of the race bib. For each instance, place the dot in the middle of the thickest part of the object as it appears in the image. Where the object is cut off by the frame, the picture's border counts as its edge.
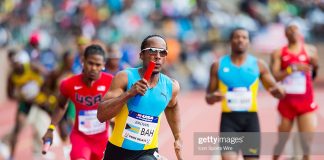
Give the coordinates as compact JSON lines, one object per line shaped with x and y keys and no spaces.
{"x":30,"y":90}
{"x":140,"y":128}
{"x":239,"y":99}
{"x":89,"y":123}
{"x":295,"y":83}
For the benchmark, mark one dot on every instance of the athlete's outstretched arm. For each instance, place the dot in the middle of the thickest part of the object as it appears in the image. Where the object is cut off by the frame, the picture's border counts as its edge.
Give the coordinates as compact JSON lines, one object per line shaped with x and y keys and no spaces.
{"x":114,"y":99}
{"x":172,"y":114}
{"x":212,"y":93}
{"x":56,"y":117}
{"x":268,"y":80}
{"x":60,"y":110}
{"x":117,"y":96}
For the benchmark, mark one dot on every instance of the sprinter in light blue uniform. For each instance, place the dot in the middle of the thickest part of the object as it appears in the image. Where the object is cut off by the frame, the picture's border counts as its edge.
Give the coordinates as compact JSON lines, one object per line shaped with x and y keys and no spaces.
{"x":137,"y":125}
{"x":135,"y":135}
{"x":234,"y":82}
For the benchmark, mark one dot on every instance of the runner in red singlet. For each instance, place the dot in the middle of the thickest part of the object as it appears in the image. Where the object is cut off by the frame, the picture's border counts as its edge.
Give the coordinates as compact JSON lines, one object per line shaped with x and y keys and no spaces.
{"x":295,"y":65}
{"x":89,"y":136}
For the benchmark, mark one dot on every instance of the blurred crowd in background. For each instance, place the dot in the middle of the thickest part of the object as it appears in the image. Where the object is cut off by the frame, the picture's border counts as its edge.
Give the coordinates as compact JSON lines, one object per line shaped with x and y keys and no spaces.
{"x":196,"y":30}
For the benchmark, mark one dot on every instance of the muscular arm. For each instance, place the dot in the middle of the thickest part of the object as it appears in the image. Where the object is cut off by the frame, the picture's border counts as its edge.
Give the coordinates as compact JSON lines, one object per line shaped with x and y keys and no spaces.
{"x":57,"y":116}
{"x":212,"y":93}
{"x":275,"y":66}
{"x":268,"y":80}
{"x":172,"y":114}
{"x":115,"y":98}
{"x":313,"y":54}
{"x":59,"y":110}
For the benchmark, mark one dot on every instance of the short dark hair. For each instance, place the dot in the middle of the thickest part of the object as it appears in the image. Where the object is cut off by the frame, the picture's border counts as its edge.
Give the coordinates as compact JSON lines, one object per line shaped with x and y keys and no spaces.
{"x":237,"y":29}
{"x":144,"y":42}
{"x":94,"y":49}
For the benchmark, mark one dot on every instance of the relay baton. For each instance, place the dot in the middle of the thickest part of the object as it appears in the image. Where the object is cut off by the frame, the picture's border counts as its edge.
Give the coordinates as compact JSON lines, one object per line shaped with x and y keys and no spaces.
{"x":46,"y":146}
{"x":146,"y":76}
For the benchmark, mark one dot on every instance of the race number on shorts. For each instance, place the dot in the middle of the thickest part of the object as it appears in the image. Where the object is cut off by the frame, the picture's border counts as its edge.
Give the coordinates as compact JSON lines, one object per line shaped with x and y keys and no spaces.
{"x":89,"y":123}
{"x":140,"y":128}
{"x":295,"y":83}
{"x":239,"y":99}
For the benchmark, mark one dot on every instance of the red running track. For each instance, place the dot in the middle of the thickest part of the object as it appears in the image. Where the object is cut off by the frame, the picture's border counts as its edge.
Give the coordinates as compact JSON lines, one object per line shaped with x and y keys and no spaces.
{"x":196,"y":116}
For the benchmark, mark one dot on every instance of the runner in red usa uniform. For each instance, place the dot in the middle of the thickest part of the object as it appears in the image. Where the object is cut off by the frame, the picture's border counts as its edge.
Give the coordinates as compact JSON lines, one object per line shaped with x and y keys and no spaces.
{"x":298,"y":85}
{"x":89,"y":136}
{"x":295,"y":66}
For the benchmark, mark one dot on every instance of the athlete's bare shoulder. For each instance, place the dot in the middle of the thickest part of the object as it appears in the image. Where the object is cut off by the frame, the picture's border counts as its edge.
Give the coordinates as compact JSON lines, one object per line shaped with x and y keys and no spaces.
{"x":175,"y":85}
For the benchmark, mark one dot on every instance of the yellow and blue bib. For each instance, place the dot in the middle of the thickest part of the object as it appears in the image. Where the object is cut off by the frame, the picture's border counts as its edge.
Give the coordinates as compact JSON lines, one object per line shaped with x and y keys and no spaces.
{"x":239,"y":84}
{"x":137,"y":125}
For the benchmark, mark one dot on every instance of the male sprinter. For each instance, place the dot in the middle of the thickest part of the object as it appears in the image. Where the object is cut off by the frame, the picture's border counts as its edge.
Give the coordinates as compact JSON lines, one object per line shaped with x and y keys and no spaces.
{"x":88,"y":137}
{"x":135,"y":136}
{"x":295,"y":65}
{"x":234,"y":80}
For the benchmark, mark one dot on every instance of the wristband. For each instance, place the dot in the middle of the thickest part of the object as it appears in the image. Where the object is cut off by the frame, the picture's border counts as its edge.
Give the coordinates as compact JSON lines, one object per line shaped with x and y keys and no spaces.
{"x":289,"y":70}
{"x":51,"y":127}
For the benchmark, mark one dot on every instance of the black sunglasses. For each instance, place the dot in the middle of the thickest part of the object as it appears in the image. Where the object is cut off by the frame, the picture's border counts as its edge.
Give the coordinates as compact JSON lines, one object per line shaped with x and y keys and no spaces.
{"x":155,"y":51}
